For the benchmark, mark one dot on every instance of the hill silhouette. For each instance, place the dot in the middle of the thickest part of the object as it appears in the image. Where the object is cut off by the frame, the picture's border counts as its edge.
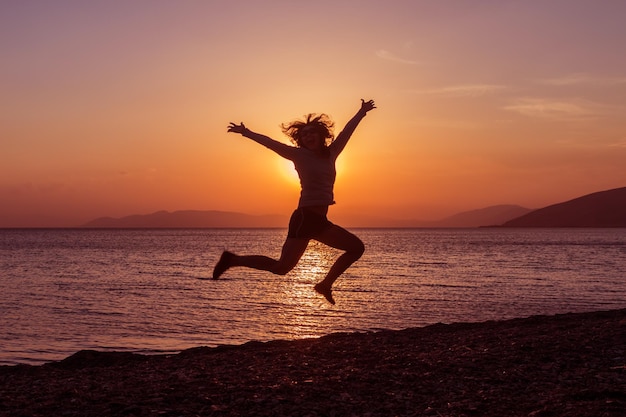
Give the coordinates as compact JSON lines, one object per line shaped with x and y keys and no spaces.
{"x":601,"y":209}
{"x":482,"y":217}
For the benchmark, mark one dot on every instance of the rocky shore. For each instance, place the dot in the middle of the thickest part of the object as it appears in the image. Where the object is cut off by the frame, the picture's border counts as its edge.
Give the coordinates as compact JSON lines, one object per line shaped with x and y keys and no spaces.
{"x":564,"y":365}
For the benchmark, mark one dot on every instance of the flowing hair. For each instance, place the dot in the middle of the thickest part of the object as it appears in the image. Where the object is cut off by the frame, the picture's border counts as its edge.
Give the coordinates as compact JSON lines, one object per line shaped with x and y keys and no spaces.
{"x":321,"y":123}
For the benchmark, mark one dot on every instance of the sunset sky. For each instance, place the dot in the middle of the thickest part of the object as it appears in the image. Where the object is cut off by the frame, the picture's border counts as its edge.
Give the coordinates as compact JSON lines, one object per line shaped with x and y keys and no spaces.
{"x":112,"y":108}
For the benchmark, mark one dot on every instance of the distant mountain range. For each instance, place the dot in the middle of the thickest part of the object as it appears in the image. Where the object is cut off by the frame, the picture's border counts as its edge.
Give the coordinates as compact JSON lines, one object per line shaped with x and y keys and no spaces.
{"x":189,"y":219}
{"x":223,"y":219}
{"x":601,"y":209}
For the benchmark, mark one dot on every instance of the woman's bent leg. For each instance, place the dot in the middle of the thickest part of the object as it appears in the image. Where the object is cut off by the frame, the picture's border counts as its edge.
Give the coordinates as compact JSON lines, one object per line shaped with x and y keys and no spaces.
{"x":290,"y":255}
{"x":339,"y":238}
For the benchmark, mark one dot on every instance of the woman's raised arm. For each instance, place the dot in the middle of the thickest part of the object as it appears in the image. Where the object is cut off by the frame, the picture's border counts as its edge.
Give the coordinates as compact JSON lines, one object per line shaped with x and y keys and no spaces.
{"x":342,"y":138}
{"x":280,"y":148}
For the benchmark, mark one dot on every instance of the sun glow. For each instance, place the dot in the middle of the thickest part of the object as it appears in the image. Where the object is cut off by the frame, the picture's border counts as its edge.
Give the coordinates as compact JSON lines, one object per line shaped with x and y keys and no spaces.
{"x":140,"y":124}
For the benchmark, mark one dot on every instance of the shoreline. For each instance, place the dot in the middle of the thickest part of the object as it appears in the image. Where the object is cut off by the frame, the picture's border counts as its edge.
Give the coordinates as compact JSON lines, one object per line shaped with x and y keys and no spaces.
{"x":563,"y":365}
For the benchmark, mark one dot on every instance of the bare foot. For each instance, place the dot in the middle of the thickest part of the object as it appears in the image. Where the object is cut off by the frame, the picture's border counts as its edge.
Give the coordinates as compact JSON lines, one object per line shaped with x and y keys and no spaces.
{"x":223,"y":264}
{"x":326,"y":292}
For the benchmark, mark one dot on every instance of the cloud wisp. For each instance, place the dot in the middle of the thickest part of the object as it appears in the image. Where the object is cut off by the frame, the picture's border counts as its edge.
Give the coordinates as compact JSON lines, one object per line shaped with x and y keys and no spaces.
{"x":582,"y":78}
{"x":466,"y":90}
{"x":390,"y":56}
{"x":555,"y":109}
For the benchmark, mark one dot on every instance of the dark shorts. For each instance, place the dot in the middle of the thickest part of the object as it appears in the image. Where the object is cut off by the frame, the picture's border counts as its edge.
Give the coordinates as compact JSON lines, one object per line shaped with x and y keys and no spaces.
{"x":307,"y":224}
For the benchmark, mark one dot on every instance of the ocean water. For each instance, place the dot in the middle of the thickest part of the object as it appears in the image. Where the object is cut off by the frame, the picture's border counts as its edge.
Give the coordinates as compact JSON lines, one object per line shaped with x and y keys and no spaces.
{"x":147,"y":290}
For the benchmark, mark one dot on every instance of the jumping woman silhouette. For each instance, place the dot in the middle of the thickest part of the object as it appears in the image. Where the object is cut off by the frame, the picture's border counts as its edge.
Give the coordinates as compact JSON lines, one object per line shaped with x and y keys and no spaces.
{"x":314,"y":156}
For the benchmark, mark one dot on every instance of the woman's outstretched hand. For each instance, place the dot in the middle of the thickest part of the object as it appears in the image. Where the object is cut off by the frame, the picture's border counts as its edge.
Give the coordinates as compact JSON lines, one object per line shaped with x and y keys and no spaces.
{"x":367,"y":105}
{"x":237,"y":128}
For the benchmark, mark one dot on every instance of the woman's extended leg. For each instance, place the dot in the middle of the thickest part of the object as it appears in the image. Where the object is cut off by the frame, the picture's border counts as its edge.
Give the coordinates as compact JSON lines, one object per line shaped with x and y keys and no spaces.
{"x":290,"y":255}
{"x":339,"y":238}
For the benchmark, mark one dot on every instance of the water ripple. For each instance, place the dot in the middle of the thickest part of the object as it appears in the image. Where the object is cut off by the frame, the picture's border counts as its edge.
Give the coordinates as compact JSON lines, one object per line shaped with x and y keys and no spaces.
{"x":146,"y":290}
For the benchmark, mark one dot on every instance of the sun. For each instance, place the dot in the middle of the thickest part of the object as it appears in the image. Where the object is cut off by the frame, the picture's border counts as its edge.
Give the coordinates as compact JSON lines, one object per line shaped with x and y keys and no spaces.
{"x":288,"y":172}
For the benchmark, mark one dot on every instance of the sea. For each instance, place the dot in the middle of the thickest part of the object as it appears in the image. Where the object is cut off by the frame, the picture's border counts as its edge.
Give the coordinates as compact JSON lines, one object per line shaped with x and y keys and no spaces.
{"x":149,"y":290}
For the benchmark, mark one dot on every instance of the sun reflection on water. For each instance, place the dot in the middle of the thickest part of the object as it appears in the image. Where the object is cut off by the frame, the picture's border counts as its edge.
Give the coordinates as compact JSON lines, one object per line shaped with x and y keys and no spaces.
{"x":307,"y":309}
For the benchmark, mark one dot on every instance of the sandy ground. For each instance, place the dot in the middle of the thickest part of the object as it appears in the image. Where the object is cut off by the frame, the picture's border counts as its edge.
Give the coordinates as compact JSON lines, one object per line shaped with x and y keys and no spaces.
{"x":565,"y":365}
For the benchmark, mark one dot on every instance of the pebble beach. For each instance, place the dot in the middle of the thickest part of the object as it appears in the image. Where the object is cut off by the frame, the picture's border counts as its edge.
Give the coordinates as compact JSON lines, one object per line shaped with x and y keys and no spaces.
{"x":562,"y":365}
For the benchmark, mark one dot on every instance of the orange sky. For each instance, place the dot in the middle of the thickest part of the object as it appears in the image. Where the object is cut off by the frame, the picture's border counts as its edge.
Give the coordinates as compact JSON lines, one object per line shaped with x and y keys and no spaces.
{"x":112,"y":108}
